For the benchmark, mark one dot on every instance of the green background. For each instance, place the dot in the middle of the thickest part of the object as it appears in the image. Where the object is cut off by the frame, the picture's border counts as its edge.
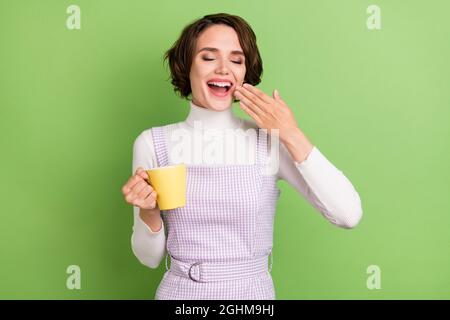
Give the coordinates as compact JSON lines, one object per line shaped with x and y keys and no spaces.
{"x":375,"y":102}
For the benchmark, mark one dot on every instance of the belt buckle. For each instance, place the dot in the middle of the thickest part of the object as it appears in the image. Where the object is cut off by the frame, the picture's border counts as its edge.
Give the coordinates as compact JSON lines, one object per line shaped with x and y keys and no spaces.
{"x":190,"y":268}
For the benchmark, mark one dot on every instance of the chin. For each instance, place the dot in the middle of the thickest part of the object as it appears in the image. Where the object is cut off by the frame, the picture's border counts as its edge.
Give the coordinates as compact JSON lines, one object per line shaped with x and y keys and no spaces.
{"x":220,"y":105}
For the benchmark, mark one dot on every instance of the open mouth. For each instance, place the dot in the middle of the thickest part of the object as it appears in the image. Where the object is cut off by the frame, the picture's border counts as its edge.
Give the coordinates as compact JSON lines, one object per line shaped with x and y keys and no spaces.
{"x":220,"y":89}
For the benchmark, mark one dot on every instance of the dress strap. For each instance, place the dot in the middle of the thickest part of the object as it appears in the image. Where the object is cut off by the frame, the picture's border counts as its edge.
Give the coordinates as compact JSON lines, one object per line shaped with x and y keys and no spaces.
{"x":167,"y":255}
{"x":261,"y":146}
{"x":159,"y":143}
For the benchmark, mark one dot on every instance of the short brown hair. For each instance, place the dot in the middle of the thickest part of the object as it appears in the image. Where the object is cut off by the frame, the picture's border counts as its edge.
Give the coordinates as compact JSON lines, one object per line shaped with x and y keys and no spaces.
{"x":180,"y":55}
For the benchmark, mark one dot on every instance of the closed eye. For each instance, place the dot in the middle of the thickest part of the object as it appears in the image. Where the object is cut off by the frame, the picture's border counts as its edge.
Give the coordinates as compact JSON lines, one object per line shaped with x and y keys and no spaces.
{"x":237,"y":62}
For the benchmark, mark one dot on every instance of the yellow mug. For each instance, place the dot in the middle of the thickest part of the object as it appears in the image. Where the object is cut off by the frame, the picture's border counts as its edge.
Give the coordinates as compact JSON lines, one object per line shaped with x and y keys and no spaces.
{"x":169,"y":183}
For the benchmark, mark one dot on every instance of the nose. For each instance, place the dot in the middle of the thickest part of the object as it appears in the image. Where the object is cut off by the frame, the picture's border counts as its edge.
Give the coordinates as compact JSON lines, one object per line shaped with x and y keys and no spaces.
{"x":222,"y":68}
{"x":222,"y":71}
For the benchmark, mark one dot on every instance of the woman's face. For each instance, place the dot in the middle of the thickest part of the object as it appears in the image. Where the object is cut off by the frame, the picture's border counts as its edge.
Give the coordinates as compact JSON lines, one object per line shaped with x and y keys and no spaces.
{"x":218,"y":56}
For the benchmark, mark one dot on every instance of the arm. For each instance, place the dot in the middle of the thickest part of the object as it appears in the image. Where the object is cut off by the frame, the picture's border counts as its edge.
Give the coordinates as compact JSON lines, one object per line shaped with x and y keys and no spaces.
{"x":324,"y":186}
{"x":148,"y":240}
{"x":303,"y":166}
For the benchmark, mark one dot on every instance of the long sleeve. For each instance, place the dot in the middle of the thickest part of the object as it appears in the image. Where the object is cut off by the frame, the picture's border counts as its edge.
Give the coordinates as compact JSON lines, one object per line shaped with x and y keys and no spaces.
{"x":148,"y":246}
{"x":324,"y":186}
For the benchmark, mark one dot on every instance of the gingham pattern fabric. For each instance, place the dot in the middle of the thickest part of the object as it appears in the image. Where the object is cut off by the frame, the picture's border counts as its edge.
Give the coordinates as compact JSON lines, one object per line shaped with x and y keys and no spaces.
{"x":219,"y":242}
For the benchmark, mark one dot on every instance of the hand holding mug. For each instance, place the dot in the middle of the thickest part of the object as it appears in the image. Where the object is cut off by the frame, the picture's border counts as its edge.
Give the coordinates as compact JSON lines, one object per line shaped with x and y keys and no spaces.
{"x":138,"y":192}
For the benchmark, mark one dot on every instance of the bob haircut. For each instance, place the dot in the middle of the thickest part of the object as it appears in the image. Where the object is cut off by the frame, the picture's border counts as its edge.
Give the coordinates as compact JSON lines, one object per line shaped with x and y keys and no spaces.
{"x":180,"y":55}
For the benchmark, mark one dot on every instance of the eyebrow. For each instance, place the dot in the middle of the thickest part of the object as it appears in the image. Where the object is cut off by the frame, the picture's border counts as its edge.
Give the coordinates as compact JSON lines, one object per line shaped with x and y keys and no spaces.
{"x":216,"y":50}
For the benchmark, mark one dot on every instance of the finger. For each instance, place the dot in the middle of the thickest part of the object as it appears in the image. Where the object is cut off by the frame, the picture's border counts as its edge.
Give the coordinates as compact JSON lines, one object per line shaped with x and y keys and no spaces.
{"x":277,"y":97}
{"x":250,"y":98}
{"x":141,"y":203}
{"x":142,"y":173}
{"x":139,"y":187}
{"x":130,"y":196}
{"x":249,"y":103}
{"x":257,"y":92}
{"x":149,"y":201}
{"x":138,"y":169}
{"x":145,"y":192}
{"x":132,"y":181}
{"x":249,"y":112}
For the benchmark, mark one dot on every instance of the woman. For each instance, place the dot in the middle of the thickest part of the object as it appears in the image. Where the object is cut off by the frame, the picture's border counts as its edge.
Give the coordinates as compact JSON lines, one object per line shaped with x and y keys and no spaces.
{"x":220,"y":242}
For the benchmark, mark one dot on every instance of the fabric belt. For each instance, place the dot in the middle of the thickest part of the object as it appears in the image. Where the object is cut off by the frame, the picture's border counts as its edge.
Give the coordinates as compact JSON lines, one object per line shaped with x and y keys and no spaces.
{"x":219,"y":271}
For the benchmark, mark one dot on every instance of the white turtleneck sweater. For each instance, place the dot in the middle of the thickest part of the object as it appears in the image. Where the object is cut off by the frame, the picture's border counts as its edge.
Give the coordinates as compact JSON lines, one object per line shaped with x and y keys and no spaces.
{"x":315,"y":178}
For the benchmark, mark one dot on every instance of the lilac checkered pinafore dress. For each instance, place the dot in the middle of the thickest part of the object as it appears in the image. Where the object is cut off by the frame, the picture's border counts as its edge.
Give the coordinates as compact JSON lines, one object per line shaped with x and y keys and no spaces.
{"x":220,"y":241}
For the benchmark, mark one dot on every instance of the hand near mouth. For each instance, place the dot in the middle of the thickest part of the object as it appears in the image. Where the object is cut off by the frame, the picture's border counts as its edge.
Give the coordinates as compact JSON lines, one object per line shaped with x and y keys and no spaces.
{"x":269,"y":113}
{"x":273,"y":113}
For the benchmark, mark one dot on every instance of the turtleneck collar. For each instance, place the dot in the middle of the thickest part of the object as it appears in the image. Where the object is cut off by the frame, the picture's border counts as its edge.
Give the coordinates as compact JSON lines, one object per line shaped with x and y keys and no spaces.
{"x":211,"y":119}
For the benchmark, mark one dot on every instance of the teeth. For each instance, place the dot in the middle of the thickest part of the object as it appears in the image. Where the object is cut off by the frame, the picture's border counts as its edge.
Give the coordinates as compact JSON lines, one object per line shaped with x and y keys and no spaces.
{"x":220,"y":84}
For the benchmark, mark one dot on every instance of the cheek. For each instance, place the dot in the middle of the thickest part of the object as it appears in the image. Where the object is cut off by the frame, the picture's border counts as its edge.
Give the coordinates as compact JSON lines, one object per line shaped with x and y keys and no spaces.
{"x":198,"y":74}
{"x":240,"y":75}
{"x":195,"y":78}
